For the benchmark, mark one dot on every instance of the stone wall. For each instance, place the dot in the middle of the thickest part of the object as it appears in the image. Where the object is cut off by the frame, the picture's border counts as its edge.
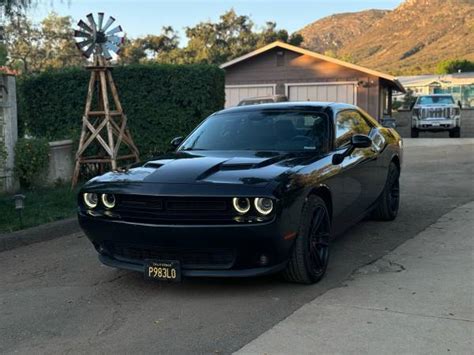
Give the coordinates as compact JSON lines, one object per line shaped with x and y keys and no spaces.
{"x":8,"y":132}
{"x":61,"y":162}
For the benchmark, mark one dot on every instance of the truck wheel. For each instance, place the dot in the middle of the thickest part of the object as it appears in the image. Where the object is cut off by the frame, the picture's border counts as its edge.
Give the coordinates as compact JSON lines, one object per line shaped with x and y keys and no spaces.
{"x":414,"y":133}
{"x":455,"y":133}
{"x":310,"y":255}
{"x":389,"y":201}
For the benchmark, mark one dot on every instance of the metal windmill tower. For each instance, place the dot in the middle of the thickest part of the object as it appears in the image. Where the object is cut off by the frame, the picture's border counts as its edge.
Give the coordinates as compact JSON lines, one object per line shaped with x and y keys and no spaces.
{"x":104,"y":126}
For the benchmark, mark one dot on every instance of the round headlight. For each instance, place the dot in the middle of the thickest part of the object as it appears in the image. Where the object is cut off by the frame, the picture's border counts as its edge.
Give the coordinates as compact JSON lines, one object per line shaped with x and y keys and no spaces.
{"x":91,"y":200}
{"x":241,"y":204}
{"x":263,"y":205}
{"x":108,"y":200}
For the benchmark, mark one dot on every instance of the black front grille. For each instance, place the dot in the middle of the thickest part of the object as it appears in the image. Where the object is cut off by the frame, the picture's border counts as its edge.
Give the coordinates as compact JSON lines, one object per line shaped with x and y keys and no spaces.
{"x":189,"y":258}
{"x":173,"y":210}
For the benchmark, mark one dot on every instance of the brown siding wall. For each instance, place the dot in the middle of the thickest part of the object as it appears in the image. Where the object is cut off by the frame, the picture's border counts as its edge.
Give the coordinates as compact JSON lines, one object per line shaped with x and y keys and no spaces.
{"x":298,"y":68}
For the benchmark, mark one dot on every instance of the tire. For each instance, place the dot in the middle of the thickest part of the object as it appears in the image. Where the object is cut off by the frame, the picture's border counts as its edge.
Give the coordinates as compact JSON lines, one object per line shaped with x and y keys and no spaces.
{"x":389,"y":201}
{"x":414,"y":133}
{"x":310,"y":255}
{"x":455,"y":132}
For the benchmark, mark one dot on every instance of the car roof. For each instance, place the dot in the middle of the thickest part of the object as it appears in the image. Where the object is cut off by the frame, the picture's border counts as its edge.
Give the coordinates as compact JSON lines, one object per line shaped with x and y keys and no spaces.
{"x":289,"y":105}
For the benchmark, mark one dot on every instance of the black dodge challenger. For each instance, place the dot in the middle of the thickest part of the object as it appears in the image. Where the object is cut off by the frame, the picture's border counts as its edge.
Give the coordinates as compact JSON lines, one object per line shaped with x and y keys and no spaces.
{"x":253,"y":190}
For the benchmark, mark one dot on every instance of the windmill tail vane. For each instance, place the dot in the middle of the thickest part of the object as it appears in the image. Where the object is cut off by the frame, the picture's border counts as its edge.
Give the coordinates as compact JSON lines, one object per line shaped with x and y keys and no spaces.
{"x":97,"y":37}
{"x":104,"y":124}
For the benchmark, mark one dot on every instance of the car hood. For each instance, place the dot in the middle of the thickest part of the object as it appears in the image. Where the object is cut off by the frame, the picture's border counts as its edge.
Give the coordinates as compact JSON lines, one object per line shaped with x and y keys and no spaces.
{"x":243,"y":167}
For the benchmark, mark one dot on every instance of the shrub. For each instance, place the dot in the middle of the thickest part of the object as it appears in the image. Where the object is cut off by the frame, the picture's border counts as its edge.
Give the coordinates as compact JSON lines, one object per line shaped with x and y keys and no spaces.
{"x":454,"y":65}
{"x":160,"y":101}
{"x":31,"y":161}
{"x":396,"y":105}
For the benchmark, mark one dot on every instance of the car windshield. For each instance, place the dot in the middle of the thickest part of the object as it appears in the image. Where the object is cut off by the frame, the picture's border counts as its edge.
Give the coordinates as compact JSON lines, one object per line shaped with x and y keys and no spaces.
{"x":435,"y":100}
{"x":265,"y":130}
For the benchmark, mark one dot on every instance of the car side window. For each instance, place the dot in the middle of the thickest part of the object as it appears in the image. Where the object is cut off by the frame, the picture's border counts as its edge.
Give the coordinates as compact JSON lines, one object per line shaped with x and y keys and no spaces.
{"x":348,"y":123}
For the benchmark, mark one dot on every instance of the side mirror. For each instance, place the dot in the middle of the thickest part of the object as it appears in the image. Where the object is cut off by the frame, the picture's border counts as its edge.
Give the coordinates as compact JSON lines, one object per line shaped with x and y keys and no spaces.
{"x":357,"y":141}
{"x":460,"y":104}
{"x":176,"y":141}
{"x":361,"y":141}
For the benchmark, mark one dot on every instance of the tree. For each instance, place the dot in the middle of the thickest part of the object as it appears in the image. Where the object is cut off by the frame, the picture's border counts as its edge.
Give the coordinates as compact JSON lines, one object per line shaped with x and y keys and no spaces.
{"x":232,"y":36}
{"x":13,"y":6}
{"x":149,"y":47}
{"x":3,"y":54}
{"x":23,"y":43}
{"x":58,"y":46}
{"x":270,"y":34}
{"x":454,"y":65}
{"x":409,"y":99}
{"x":32,"y":48}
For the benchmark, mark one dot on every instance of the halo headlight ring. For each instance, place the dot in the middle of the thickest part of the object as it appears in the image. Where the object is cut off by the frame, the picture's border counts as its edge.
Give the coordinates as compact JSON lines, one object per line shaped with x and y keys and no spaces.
{"x":91,"y":199}
{"x":263,"y":205}
{"x":108,"y":200}
{"x":241,"y":204}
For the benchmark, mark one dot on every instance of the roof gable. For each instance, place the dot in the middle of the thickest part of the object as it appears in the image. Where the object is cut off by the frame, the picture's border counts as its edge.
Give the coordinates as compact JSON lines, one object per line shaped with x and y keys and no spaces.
{"x":299,"y":50}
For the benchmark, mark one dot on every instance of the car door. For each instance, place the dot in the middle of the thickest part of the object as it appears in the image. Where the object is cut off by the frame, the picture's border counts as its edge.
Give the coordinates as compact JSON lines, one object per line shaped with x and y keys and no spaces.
{"x":359,"y":169}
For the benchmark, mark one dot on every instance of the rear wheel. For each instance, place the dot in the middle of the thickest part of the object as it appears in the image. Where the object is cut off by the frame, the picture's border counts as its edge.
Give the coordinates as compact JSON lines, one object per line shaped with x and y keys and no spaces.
{"x":414,"y":133}
{"x":310,"y":255}
{"x":455,"y":132}
{"x":387,"y":208}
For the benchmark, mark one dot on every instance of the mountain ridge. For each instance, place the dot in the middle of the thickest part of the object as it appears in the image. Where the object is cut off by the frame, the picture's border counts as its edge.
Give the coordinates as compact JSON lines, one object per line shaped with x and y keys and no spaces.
{"x":411,"y":39}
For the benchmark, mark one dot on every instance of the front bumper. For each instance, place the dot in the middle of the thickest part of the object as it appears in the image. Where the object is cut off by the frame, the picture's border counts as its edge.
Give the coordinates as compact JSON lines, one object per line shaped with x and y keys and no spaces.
{"x":203,"y":250}
{"x":435,"y":124}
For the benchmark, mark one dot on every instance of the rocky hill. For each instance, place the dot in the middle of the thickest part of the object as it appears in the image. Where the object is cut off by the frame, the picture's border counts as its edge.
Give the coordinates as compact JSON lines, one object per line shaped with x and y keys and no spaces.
{"x":411,"y":39}
{"x":332,"y":33}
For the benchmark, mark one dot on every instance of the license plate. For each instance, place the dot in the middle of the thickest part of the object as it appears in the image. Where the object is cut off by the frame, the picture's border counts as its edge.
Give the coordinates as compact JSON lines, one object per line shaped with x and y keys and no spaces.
{"x":163,"y":270}
{"x":435,"y":124}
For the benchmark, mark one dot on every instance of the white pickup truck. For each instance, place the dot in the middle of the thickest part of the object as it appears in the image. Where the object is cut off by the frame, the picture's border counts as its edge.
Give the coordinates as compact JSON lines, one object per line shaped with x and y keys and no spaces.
{"x":436,"y":113}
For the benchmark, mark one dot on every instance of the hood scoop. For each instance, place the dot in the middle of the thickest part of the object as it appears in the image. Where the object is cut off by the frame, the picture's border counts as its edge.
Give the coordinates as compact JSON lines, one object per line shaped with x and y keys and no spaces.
{"x":153,"y":165}
{"x":234,"y":166}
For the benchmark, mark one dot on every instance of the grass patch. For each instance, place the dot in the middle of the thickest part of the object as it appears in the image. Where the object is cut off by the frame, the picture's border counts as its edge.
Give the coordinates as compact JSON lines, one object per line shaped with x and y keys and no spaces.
{"x":41,"y":206}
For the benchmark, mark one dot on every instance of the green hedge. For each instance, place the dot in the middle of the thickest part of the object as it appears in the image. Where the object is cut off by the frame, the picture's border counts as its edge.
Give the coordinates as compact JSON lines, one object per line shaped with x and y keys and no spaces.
{"x":160,"y":101}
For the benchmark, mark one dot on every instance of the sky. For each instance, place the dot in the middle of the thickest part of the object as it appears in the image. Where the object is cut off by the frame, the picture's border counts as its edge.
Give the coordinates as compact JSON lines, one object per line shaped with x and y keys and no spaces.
{"x":141,"y":17}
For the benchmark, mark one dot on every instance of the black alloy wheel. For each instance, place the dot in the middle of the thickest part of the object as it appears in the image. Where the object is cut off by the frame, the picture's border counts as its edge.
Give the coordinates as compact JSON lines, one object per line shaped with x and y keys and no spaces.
{"x":389,"y":201}
{"x":309,"y":259}
{"x":319,"y":242}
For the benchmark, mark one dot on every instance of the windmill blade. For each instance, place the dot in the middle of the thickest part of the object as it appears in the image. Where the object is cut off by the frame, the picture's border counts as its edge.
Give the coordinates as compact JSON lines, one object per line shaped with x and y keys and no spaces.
{"x":78,"y":33}
{"x":109,"y":23}
{"x":84,"y":43}
{"x":89,"y":51}
{"x":100,"y":20}
{"x":115,"y":40}
{"x":106,"y":52}
{"x":114,"y":30}
{"x":85,"y":26}
{"x":93,"y":30}
{"x":90,"y":17}
{"x":112,"y":47}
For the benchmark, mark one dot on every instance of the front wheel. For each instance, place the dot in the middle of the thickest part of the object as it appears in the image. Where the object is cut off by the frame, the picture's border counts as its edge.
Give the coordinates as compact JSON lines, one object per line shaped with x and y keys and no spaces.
{"x":414,"y":133}
{"x":387,"y":207}
{"x":455,"y":132}
{"x":309,"y":259}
